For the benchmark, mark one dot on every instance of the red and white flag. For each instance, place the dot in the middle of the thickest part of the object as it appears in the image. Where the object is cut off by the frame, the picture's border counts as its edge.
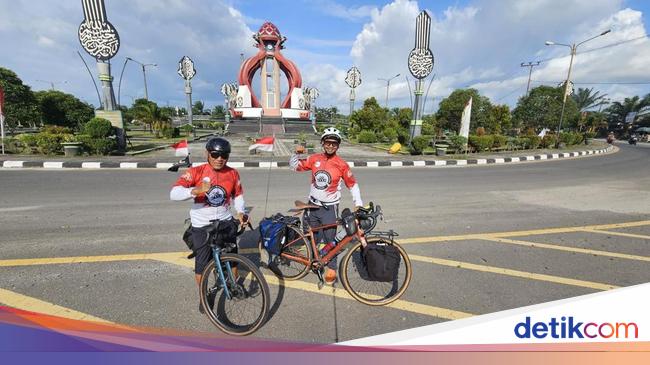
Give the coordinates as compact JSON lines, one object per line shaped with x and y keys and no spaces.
{"x":181,"y":148}
{"x":263,"y":144}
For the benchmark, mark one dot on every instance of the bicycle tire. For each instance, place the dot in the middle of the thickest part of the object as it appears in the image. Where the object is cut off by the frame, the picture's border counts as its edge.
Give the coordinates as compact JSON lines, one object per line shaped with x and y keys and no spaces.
{"x":355,"y":279}
{"x":288,"y":269}
{"x":221,"y":310}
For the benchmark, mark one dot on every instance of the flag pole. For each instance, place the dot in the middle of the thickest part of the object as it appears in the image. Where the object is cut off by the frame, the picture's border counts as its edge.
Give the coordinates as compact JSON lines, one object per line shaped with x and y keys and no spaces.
{"x":268,"y":179}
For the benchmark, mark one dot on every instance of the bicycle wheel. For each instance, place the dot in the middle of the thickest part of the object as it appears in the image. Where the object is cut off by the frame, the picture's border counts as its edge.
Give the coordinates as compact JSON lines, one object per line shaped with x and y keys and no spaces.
{"x":356,"y":281}
{"x":248,"y":305}
{"x":298,"y":245}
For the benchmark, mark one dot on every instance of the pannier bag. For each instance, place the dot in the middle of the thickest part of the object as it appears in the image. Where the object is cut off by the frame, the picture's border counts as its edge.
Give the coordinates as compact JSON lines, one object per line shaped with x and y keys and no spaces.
{"x":349,"y":222}
{"x":382,"y":262}
{"x":273,"y":233}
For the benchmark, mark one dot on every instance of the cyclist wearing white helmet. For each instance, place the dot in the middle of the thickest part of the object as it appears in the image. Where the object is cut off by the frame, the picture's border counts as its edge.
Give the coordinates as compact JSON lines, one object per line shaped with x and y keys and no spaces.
{"x":328,"y":171}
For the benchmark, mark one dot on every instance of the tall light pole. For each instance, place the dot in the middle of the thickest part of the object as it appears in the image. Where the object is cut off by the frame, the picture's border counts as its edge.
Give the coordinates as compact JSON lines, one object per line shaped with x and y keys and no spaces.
{"x":144,"y":73}
{"x":388,"y":86}
{"x":573,"y":48}
{"x":530,"y":65}
{"x":52,"y":83}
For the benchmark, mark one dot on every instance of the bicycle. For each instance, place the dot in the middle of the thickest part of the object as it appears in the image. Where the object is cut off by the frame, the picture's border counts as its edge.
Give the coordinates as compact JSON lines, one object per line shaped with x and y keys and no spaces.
{"x":231,"y":292}
{"x":300,"y":254}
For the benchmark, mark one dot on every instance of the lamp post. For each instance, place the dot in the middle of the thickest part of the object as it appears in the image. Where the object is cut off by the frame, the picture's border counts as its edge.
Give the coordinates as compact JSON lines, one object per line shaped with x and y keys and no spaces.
{"x":573,"y":48}
{"x":388,"y":86}
{"x":144,"y":73}
{"x":52,"y":83}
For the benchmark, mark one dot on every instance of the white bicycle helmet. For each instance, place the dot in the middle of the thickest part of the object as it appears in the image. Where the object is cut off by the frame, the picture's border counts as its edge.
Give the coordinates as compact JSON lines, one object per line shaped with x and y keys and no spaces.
{"x":331,"y":133}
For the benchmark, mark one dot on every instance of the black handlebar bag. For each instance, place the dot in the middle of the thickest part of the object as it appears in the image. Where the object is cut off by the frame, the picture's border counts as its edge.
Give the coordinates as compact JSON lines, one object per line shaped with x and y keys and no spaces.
{"x":382,"y":262}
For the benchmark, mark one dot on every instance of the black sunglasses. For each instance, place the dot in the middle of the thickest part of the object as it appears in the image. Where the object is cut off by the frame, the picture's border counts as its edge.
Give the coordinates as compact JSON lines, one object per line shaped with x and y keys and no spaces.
{"x":217,"y":154}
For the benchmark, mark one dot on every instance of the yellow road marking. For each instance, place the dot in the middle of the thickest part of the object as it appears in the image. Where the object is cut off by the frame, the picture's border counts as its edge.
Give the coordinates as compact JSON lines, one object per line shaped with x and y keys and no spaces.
{"x":73,"y":260}
{"x":510,"y":272}
{"x":568,"y":249}
{"x":25,"y":302}
{"x":404,"y":305}
{"x":613,"y":233}
{"x":522,"y":233}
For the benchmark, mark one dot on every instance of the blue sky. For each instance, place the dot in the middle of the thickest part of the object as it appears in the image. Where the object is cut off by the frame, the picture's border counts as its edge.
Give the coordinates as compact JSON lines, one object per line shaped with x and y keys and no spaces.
{"x":477,"y":43}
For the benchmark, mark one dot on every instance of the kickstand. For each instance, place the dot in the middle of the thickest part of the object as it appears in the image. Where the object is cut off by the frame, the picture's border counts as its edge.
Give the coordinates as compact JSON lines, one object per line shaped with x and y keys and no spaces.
{"x":321,"y":281}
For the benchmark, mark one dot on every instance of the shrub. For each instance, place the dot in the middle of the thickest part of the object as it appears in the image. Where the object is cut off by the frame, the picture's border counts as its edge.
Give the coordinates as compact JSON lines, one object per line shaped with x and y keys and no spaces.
{"x":571,"y":138}
{"x":390,"y":134}
{"x":499,"y":141}
{"x":186,"y":128}
{"x":367,"y":137}
{"x":457,"y":142}
{"x":403,"y":135}
{"x":171,"y":132}
{"x":217,"y":125}
{"x":481,"y":143}
{"x":55,"y":129}
{"x":98,"y":128}
{"x":548,"y":141}
{"x":27,"y":140}
{"x":418,"y":144}
{"x":342,"y":127}
{"x":533,"y":142}
{"x":97,"y":146}
{"x":49,"y":143}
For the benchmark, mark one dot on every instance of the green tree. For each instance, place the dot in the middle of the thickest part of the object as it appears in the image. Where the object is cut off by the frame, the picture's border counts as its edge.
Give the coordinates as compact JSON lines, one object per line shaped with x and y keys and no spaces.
{"x":370,"y":117}
{"x":542,"y":107}
{"x":219,"y":112}
{"x":617,"y":112}
{"x":21,"y":106}
{"x":402,"y":116}
{"x":429,"y":124}
{"x":326,"y":115}
{"x":197,"y":108}
{"x":499,"y":120}
{"x":59,"y":108}
{"x":149,"y":113}
{"x":587,"y":98}
{"x":451,"y":109}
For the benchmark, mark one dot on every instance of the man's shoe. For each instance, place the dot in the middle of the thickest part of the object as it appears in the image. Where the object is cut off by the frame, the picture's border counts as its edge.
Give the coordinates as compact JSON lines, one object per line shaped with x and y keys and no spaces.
{"x":330,"y":276}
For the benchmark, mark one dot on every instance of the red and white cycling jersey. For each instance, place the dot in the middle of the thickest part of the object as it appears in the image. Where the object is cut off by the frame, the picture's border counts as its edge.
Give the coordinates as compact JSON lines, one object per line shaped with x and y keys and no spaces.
{"x":225,"y":190}
{"x":327,"y":175}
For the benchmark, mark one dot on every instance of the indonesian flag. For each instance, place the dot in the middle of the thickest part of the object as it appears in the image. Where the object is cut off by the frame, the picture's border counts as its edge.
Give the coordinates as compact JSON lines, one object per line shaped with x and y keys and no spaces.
{"x":263,"y":144}
{"x":181,"y":148}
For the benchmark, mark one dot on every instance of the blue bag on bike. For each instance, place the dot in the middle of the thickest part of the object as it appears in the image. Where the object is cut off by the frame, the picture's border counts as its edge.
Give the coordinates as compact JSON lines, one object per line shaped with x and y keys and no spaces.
{"x":273,"y":235}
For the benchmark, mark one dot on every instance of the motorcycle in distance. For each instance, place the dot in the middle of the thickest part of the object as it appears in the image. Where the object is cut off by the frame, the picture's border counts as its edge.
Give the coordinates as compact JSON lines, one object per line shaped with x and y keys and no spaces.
{"x":633,"y":140}
{"x":610,"y":138}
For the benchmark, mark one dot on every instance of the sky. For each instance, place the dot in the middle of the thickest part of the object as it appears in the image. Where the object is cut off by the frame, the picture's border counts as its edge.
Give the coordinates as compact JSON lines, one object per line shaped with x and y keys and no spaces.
{"x":476,"y":43}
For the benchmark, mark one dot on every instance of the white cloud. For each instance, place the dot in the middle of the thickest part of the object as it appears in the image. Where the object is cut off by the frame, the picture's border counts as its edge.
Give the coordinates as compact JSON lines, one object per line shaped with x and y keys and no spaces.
{"x":482,"y":45}
{"x":335,"y":9}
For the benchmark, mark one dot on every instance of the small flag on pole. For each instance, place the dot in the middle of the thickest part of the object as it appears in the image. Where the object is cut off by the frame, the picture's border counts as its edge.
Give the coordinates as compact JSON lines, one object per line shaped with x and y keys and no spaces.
{"x":263,"y":144}
{"x":181,"y":148}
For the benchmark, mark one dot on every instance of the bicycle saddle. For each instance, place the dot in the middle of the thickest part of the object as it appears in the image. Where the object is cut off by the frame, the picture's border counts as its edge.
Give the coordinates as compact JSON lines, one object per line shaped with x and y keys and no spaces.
{"x":300,"y":206}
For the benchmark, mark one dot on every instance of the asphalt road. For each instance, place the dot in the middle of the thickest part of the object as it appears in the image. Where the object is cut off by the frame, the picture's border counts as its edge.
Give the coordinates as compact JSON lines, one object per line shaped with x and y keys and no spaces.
{"x":68,"y":213}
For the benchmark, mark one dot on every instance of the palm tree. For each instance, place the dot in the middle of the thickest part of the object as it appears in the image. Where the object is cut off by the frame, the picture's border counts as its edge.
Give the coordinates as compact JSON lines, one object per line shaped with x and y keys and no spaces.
{"x":587,"y":99}
{"x":150,"y":114}
{"x":617,"y":112}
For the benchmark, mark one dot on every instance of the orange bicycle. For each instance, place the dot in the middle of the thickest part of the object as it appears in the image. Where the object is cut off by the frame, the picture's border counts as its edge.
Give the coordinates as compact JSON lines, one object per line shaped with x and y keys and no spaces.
{"x":299,"y":254}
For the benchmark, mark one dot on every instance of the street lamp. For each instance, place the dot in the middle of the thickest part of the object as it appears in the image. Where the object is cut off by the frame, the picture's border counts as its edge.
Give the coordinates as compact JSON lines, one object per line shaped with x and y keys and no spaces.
{"x":53,"y":82}
{"x":144,"y":75}
{"x":573,"y":48}
{"x":388,"y":86}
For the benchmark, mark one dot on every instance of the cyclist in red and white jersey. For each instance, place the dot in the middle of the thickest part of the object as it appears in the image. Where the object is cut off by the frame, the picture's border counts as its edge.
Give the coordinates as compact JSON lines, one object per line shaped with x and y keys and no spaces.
{"x":214,"y":188}
{"x":328,"y":172}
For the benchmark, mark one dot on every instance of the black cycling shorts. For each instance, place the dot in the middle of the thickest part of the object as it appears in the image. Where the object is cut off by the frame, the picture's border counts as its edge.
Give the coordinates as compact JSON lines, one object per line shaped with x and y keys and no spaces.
{"x":227,"y":233}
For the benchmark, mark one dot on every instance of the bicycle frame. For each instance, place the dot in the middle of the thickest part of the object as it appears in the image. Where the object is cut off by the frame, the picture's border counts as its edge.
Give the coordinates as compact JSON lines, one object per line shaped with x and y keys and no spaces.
{"x":324,"y":260}
{"x":216,"y":253}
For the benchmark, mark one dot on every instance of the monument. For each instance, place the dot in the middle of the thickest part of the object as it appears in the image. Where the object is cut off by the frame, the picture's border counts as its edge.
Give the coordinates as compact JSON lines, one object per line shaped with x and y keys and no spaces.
{"x":420,"y":63}
{"x":269,"y":61}
{"x":99,"y":38}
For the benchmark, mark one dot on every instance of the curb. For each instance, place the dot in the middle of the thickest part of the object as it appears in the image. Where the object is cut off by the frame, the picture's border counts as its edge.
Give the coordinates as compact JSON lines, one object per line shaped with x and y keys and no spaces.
{"x":268,"y":164}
